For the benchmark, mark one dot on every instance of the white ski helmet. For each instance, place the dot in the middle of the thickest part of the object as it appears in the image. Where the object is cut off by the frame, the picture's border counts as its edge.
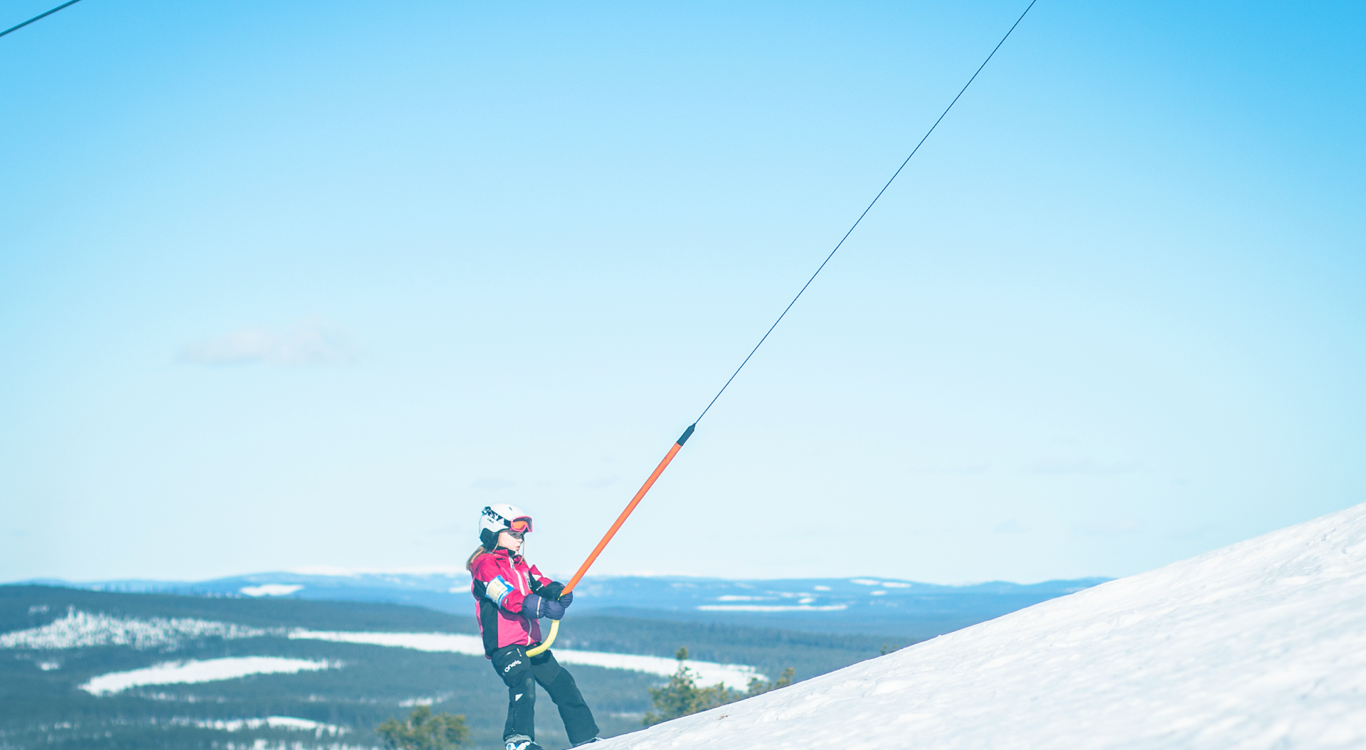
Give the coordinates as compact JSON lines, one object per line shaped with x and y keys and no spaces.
{"x":496,"y":519}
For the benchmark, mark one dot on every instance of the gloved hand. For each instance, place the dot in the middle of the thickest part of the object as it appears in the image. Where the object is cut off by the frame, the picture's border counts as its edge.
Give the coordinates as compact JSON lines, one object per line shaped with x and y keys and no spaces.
{"x":536,"y":607}
{"x":555,"y":590}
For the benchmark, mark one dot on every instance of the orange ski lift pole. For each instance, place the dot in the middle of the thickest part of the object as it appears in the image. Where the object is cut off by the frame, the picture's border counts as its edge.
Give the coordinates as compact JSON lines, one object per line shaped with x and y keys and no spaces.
{"x":555,"y":624}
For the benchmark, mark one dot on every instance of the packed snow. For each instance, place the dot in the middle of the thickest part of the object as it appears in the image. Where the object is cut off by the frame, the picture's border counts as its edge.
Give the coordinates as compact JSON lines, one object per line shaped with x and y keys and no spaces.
{"x":709,"y":673}
{"x":210,"y":670}
{"x":84,"y":630}
{"x":1257,"y":645}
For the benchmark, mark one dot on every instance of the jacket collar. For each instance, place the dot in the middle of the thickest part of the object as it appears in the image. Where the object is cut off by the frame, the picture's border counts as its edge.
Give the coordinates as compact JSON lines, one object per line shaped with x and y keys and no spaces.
{"x":505,"y":554}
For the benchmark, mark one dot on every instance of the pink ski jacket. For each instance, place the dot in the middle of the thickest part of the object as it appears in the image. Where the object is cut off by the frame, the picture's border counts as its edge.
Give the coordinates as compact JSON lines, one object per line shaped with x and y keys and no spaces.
{"x":501,"y":582}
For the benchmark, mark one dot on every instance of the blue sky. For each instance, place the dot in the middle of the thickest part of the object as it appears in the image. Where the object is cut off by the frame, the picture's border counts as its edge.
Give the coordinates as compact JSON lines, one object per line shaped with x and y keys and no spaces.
{"x":310,"y":284}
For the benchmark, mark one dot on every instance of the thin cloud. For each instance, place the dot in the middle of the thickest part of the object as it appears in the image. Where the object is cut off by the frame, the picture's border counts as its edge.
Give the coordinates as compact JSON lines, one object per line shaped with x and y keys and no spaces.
{"x":311,"y":342}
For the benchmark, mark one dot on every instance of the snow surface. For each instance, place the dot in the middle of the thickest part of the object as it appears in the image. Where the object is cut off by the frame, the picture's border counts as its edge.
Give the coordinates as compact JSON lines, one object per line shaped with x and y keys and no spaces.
{"x":1257,"y":645}
{"x":84,"y":630}
{"x":709,"y":673}
{"x":210,"y":670}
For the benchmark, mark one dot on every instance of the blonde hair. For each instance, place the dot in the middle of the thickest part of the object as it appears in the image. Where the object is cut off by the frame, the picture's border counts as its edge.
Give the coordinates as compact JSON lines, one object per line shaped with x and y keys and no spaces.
{"x":474,"y":556}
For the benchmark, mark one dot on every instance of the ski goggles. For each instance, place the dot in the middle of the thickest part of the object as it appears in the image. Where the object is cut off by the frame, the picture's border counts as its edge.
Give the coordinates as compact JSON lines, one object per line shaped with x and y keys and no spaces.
{"x":520,"y":525}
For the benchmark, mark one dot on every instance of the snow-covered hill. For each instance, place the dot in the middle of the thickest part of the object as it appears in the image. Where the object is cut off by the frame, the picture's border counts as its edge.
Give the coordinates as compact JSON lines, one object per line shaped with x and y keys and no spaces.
{"x":1257,"y":645}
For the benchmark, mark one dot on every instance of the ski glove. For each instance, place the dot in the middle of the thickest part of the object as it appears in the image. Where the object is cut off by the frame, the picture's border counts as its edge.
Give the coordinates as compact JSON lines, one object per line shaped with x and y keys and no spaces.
{"x":536,"y":607}
{"x":555,"y":590}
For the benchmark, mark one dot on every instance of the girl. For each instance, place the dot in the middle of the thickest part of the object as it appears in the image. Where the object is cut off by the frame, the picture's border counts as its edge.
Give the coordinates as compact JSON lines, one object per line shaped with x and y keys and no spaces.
{"x":510,"y":596}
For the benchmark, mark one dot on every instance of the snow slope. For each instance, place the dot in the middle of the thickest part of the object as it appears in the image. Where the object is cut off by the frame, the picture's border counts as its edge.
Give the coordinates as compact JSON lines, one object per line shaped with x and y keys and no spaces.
{"x":1257,"y":645}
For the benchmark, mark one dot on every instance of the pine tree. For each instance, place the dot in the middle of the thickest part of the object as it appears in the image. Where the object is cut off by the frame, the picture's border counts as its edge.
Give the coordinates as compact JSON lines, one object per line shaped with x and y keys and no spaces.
{"x":759,"y":687}
{"x":682,"y":696}
{"x":424,"y":731}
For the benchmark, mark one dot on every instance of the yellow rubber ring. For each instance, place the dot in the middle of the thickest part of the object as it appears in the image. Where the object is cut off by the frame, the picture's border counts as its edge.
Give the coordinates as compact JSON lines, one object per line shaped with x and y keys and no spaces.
{"x":538,"y":650}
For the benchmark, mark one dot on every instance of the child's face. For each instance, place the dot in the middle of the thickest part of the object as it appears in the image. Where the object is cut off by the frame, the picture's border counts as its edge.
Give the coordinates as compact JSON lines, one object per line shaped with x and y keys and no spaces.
{"x":510,"y":540}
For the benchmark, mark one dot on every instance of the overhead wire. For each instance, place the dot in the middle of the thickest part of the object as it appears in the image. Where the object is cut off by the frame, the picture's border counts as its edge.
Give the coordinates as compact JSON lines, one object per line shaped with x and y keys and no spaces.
{"x":35,"y":18}
{"x":865,"y":213}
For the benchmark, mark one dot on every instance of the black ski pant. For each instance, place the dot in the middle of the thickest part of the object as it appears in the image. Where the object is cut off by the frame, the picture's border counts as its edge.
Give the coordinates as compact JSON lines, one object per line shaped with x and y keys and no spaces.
{"x":521,"y":673}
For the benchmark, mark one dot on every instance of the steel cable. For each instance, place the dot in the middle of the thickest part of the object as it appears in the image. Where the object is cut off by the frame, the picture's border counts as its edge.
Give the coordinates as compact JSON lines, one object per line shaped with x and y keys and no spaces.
{"x":865,"y":213}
